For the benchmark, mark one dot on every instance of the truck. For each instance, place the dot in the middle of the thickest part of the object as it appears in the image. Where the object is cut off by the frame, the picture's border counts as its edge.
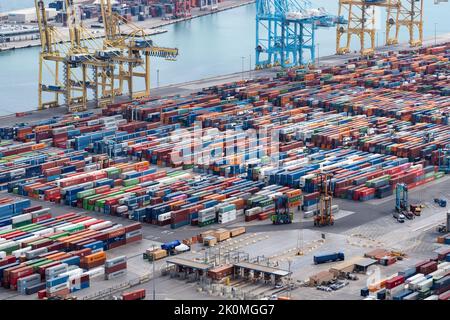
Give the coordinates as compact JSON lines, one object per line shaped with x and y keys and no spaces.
{"x":440,"y":202}
{"x":329,"y":257}
{"x":169,"y":246}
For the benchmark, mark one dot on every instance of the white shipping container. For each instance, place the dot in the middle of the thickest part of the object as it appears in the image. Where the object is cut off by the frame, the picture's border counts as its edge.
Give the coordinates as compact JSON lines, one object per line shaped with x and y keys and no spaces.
{"x":96,"y":272}
{"x":89,"y":221}
{"x":70,"y":273}
{"x":43,"y":232}
{"x":117,"y":226}
{"x":31,"y":237}
{"x":413,"y":284}
{"x":21,"y":218}
{"x":62,"y":226}
{"x":21,"y":252}
{"x":37,"y":213}
{"x":58,"y":287}
{"x":33,"y":253}
{"x":116,"y":274}
{"x":100,"y":225}
{"x":115,"y":261}
{"x":412,"y":296}
{"x":415,"y":277}
{"x":253,"y":211}
{"x":6,"y":228}
{"x":425,"y":284}
{"x":2,"y":254}
{"x":7,"y":244}
{"x":437,"y":274}
{"x":165,"y":216}
{"x":55,"y":270}
{"x":122,"y":209}
{"x":433,"y":297}
{"x":444,"y":266}
{"x":392,"y":292}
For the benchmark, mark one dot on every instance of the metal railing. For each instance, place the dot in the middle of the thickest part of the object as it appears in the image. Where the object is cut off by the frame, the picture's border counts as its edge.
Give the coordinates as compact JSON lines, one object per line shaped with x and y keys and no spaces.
{"x":117,"y":288}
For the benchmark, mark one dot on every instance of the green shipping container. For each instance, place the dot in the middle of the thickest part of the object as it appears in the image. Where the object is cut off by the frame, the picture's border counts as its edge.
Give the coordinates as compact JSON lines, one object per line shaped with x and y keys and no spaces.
{"x":85,"y":193}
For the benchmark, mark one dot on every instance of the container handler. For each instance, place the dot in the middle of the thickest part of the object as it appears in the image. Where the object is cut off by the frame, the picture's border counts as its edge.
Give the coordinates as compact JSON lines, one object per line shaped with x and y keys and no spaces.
{"x":282,"y":213}
{"x":401,"y":202}
{"x":324,"y":215}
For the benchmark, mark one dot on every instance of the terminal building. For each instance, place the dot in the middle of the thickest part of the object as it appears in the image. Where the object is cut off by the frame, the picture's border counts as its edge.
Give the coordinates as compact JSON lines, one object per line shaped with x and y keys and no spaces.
{"x":11,"y":33}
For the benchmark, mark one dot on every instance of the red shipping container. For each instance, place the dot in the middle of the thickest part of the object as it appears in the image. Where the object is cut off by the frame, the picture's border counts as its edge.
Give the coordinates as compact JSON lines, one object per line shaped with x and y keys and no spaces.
{"x":394,"y":282}
{"x":117,"y":244}
{"x":134,"y":295}
{"x":7,"y":260}
{"x":133,"y":227}
{"x":42,"y":244}
{"x":116,"y":268}
{"x":42,"y":218}
{"x":82,"y":253}
{"x":31,"y":209}
{"x":138,"y":237}
{"x":428,"y":267}
{"x":42,"y":294}
{"x":419,"y":264}
{"x":442,"y":255}
{"x":19,"y":273}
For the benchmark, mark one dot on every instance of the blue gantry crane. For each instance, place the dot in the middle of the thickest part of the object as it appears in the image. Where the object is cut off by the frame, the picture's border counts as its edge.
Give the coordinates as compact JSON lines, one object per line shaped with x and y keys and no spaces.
{"x":401,"y":197}
{"x":285,"y":32}
{"x":444,"y":159}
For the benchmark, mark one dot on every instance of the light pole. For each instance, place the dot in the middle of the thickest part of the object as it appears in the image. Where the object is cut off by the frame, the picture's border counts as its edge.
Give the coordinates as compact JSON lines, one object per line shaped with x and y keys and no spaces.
{"x":157,"y":77}
{"x":318,"y":54}
{"x":250,"y":65}
{"x":377,"y":39}
{"x":290,"y":279}
{"x":153,"y":275}
{"x":435,"y":33}
{"x":243,"y":58}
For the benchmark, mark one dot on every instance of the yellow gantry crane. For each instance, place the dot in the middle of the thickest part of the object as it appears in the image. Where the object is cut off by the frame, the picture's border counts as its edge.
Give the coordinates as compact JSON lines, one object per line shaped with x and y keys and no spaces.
{"x":75,"y":58}
{"x":361,"y":15}
{"x":88,"y":64}
{"x":90,"y":54}
{"x":408,"y":14}
{"x":51,"y":58}
{"x":136,"y":49}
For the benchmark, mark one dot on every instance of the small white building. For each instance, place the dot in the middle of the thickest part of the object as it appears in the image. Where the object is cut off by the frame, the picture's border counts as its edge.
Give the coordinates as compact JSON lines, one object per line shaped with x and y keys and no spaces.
{"x":29,"y":15}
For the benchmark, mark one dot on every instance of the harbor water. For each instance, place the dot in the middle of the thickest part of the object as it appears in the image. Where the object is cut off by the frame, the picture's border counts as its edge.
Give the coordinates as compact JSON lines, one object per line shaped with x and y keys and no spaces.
{"x":209,"y":46}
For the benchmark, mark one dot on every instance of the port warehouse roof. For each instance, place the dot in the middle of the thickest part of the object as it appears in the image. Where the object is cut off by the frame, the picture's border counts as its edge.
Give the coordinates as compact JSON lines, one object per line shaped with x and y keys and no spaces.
{"x":365,"y":262}
{"x":246,"y":265}
{"x":190,"y":263}
{"x":260,"y":268}
{"x":18,"y":31}
{"x":347,"y":266}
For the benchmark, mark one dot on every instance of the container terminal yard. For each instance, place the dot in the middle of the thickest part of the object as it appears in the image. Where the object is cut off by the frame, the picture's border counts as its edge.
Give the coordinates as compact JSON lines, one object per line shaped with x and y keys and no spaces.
{"x":299,"y":180}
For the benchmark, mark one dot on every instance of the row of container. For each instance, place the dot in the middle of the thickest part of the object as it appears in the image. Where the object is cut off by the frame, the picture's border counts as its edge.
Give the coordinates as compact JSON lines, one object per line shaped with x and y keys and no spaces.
{"x":34,"y":254}
{"x":427,"y":280}
{"x":283,"y":106}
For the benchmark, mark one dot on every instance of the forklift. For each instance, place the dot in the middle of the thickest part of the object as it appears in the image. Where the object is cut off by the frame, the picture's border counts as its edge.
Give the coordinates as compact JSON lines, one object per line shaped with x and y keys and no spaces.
{"x":444,"y":227}
{"x":401,"y":203}
{"x":324,"y":215}
{"x":282,"y":213}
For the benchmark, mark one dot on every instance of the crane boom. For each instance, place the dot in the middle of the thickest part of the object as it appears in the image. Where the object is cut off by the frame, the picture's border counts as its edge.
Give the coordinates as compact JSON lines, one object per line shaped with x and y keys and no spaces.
{"x":135,"y":49}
